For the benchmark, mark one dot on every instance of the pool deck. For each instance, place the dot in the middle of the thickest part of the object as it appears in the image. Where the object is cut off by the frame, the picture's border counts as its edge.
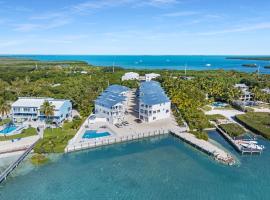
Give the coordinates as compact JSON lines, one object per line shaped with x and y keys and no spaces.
{"x":135,"y":131}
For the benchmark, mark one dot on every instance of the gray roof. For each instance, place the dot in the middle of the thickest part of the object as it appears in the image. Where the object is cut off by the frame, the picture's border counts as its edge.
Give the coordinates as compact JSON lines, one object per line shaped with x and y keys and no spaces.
{"x":112,"y":96}
{"x":151,"y":93}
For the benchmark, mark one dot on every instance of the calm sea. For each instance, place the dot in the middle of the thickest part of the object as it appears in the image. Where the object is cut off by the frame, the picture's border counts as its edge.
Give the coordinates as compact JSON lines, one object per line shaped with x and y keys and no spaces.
{"x":161,"y":62}
{"x":157,"y":168}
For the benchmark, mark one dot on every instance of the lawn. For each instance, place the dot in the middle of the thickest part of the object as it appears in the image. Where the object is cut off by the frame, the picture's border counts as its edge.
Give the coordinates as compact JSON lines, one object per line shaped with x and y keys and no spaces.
{"x":5,"y":121}
{"x":25,"y":133}
{"x":56,"y":139}
{"x":258,"y":122}
{"x":232,"y":129}
{"x":215,"y":117}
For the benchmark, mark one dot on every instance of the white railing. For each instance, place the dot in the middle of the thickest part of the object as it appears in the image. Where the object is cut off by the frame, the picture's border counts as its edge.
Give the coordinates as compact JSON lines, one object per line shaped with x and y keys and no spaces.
{"x":113,"y":139}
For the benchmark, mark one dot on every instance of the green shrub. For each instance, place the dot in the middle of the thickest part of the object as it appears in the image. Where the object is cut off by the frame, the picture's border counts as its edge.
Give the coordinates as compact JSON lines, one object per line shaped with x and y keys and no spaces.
{"x":200,"y":135}
{"x":39,"y":159}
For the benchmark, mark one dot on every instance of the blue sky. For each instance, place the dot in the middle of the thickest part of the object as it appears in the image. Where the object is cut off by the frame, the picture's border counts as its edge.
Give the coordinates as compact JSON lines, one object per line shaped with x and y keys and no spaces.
{"x":135,"y":27}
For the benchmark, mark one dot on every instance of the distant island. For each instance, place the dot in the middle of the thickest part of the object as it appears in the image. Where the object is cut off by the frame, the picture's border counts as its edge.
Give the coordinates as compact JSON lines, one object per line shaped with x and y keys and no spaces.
{"x":250,"y":58}
{"x":267,"y":67}
{"x":249,"y":65}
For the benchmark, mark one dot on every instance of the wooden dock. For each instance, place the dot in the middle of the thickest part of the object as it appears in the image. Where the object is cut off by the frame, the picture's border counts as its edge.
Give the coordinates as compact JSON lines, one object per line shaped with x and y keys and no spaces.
{"x":236,"y":146}
{"x":15,"y":164}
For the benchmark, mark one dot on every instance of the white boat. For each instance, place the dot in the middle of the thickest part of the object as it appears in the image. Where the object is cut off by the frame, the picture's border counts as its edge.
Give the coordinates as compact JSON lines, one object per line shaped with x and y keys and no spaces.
{"x":208,"y":65}
{"x":252,"y":146}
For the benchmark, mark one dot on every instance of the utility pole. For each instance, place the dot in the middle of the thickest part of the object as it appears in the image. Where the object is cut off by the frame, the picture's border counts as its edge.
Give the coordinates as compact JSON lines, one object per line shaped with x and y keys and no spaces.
{"x":186,"y":69}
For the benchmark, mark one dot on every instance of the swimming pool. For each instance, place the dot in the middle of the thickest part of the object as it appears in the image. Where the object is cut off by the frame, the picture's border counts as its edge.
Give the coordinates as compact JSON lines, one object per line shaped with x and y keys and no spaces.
{"x":219,"y":104}
{"x":8,"y":129}
{"x":90,"y":134}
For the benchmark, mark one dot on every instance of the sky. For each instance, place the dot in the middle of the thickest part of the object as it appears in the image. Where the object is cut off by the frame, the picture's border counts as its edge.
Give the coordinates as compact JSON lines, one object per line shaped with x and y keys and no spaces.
{"x":135,"y":27}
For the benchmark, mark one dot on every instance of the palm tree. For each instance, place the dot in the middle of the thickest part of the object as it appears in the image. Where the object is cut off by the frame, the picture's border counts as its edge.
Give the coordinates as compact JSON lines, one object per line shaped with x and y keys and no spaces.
{"x":48,"y":109}
{"x":4,"y":108}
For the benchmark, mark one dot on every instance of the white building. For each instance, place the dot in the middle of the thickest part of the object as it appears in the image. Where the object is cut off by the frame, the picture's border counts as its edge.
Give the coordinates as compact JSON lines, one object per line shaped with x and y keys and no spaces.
{"x":153,"y":102}
{"x":130,"y":76}
{"x":266,"y":90}
{"x":112,"y":104}
{"x":149,"y":77}
{"x":28,"y":108}
{"x":246,"y":95}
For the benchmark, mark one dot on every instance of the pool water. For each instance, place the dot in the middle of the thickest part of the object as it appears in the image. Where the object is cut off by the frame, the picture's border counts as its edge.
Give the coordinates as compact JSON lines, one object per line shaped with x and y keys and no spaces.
{"x":90,"y":134}
{"x":8,"y":129}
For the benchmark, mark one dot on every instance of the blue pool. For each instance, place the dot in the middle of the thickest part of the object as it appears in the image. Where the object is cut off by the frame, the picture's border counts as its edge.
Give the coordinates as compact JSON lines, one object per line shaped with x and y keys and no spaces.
{"x":8,"y":129}
{"x":219,"y":104}
{"x":90,"y":134}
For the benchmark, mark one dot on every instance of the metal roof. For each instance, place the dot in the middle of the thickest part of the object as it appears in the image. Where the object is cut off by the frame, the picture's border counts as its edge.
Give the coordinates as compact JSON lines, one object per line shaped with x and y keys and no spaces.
{"x":37,"y":102}
{"x":112,"y":96}
{"x":151,"y":93}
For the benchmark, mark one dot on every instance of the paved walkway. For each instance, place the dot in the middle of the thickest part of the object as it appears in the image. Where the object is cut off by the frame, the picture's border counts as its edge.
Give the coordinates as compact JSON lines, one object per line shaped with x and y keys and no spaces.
{"x":230,"y":113}
{"x":22,"y":144}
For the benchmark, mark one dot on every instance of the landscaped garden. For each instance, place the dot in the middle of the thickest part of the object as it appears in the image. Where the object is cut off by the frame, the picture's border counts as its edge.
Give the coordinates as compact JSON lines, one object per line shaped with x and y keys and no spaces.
{"x":258,"y":122}
{"x":56,"y":139}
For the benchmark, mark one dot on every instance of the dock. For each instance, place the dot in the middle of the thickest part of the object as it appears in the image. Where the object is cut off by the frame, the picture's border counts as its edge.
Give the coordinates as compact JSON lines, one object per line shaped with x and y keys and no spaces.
{"x":15,"y":164}
{"x":206,"y":147}
{"x":237,"y":146}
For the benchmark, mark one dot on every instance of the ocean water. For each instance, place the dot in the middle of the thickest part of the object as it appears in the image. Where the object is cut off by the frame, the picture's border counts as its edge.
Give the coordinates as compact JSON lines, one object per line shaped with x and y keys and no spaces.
{"x":157,"y":168}
{"x":160,"y":62}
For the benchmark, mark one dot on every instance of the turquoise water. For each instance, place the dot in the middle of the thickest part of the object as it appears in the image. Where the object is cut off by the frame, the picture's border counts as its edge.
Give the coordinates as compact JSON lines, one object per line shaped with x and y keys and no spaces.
{"x":90,"y":134}
{"x":8,"y":129}
{"x":157,"y":168}
{"x":160,"y":62}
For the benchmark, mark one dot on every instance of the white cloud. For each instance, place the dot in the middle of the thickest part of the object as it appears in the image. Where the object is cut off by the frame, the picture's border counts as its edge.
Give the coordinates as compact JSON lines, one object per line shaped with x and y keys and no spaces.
{"x":253,"y":27}
{"x":25,"y":27}
{"x":180,"y":14}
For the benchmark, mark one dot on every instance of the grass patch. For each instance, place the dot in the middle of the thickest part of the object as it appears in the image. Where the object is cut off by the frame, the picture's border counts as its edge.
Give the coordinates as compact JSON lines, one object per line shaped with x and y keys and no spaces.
{"x":258,"y":122}
{"x":25,"y":133}
{"x":5,"y":121}
{"x":56,"y":139}
{"x":215,"y":117}
{"x":207,"y":108}
{"x":232,"y":129}
{"x":39,"y":159}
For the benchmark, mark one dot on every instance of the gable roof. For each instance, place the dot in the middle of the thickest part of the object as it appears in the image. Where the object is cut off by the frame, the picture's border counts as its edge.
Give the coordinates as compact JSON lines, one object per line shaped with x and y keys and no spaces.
{"x":151,"y":93}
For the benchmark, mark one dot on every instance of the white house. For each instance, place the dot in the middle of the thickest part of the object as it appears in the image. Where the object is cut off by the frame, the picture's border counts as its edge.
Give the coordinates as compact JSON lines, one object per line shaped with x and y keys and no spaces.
{"x":149,"y":77}
{"x":266,"y":90}
{"x":28,"y":108}
{"x":112,"y":104}
{"x":246,"y":95}
{"x":154,"y":104}
{"x":130,"y":76}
